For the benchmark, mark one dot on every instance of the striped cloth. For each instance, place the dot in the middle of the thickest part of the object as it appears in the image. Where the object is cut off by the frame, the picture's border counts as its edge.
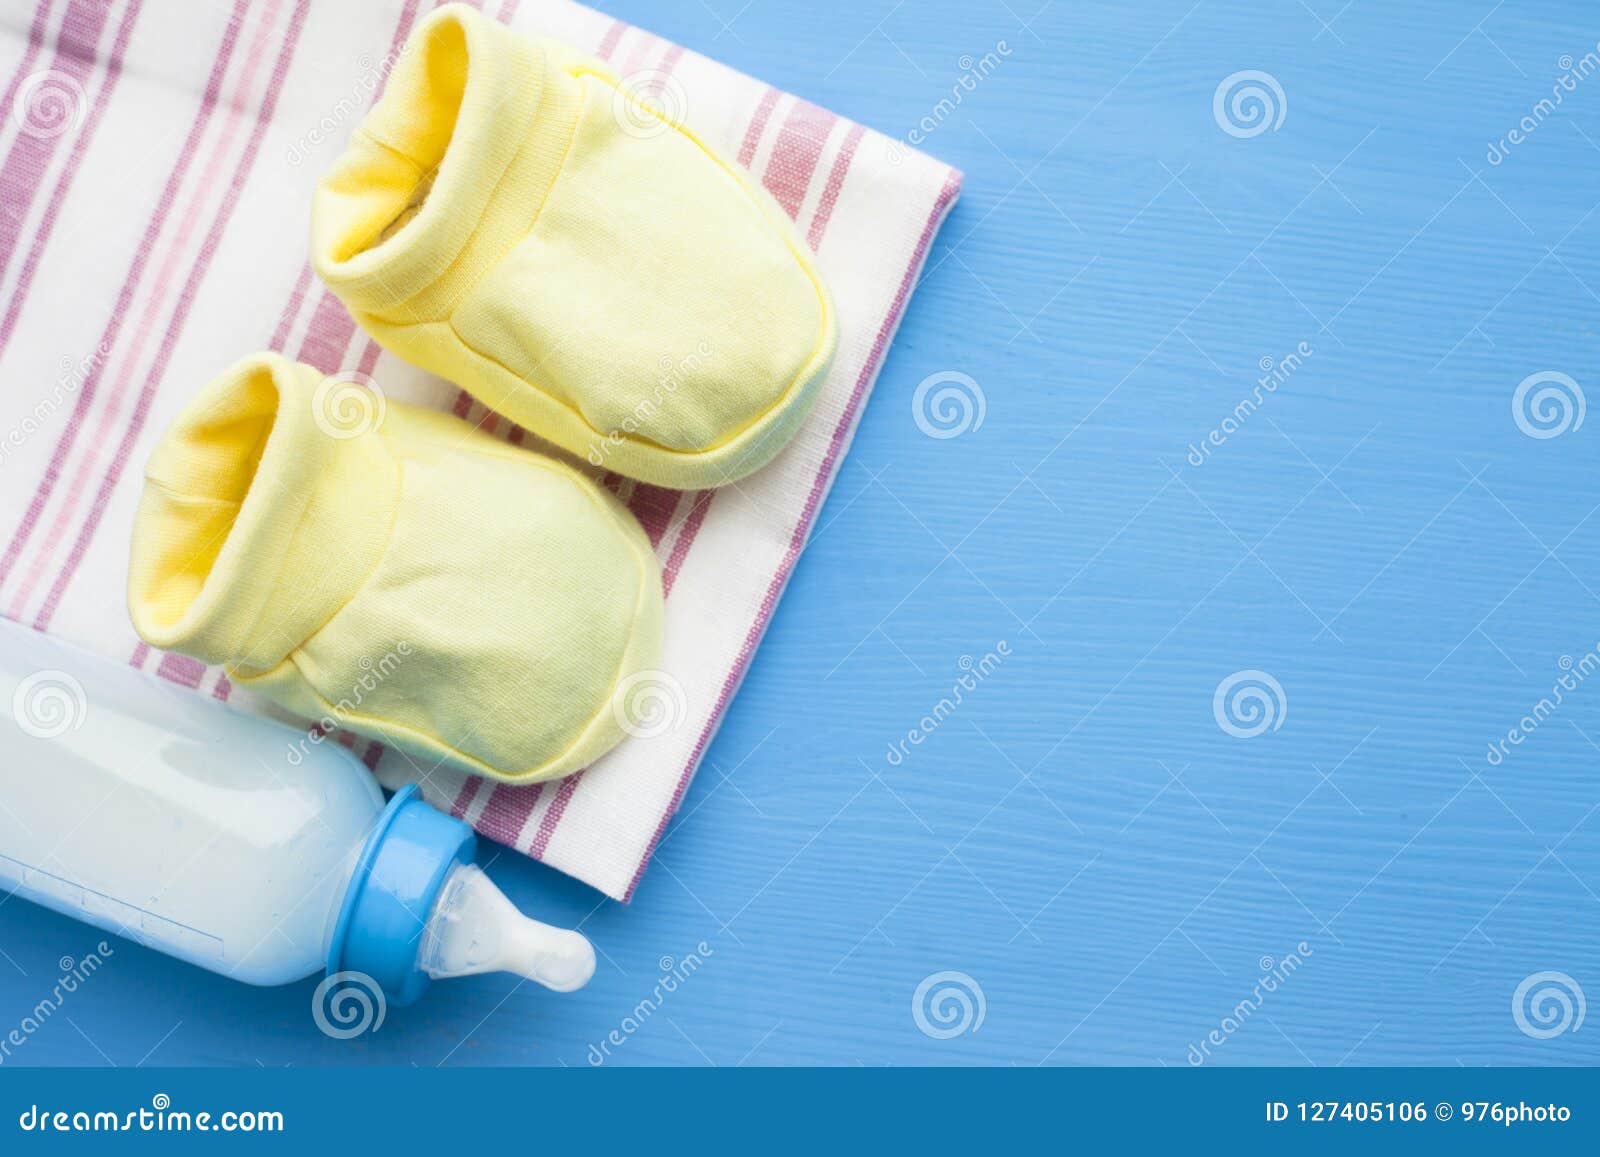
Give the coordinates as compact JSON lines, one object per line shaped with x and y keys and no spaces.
{"x":156,"y":165}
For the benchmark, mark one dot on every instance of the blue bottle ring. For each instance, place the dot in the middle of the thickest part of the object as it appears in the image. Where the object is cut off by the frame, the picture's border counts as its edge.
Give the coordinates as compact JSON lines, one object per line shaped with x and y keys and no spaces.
{"x":403,"y":865}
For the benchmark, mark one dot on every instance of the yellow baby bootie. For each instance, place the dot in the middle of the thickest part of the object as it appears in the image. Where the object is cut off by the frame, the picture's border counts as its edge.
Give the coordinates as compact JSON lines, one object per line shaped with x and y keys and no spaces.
{"x":512,"y":217}
{"x":394,"y":571}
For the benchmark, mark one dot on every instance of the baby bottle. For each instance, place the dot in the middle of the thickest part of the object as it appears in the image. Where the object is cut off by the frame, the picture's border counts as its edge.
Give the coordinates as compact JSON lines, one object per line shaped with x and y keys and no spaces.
{"x":150,"y":812}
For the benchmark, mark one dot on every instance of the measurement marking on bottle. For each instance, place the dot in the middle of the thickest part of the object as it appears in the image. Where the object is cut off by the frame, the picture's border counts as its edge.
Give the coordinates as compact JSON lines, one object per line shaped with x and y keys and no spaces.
{"x":125,"y":919}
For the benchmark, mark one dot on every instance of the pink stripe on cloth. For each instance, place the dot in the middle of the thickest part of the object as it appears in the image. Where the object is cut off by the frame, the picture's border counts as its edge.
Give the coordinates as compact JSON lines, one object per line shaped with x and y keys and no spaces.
{"x":795,"y":156}
{"x":609,"y":42}
{"x":830,"y":191}
{"x":63,"y":185}
{"x":653,"y":506}
{"x":464,"y":797}
{"x":506,"y":813}
{"x":802,"y":530}
{"x":552,"y":815}
{"x":86,"y":393}
{"x":758,"y":125}
{"x":145,"y":328}
{"x":686,"y":536}
{"x":328,"y":335}
{"x":30,"y":53}
{"x":181,"y":669}
{"x":22,"y":172}
{"x":297,"y":297}
{"x":252,"y":147}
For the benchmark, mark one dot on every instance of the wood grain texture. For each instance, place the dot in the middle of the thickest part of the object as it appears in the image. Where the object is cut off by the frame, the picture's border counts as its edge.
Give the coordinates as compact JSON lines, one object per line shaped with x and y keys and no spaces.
{"x":1080,"y":836}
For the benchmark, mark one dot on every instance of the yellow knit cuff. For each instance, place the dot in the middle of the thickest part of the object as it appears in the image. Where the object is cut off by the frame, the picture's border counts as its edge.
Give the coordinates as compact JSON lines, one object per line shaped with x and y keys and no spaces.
{"x":515,"y":218}
{"x":395,"y":571}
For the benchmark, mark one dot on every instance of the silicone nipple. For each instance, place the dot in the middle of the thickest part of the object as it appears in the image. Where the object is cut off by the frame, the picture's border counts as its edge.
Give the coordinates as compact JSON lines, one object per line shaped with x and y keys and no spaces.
{"x":474,"y":929}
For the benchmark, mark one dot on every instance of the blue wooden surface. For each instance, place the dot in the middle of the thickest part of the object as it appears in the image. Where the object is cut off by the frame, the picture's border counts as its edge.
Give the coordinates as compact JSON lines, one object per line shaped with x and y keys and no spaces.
{"x":1081,"y":837}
